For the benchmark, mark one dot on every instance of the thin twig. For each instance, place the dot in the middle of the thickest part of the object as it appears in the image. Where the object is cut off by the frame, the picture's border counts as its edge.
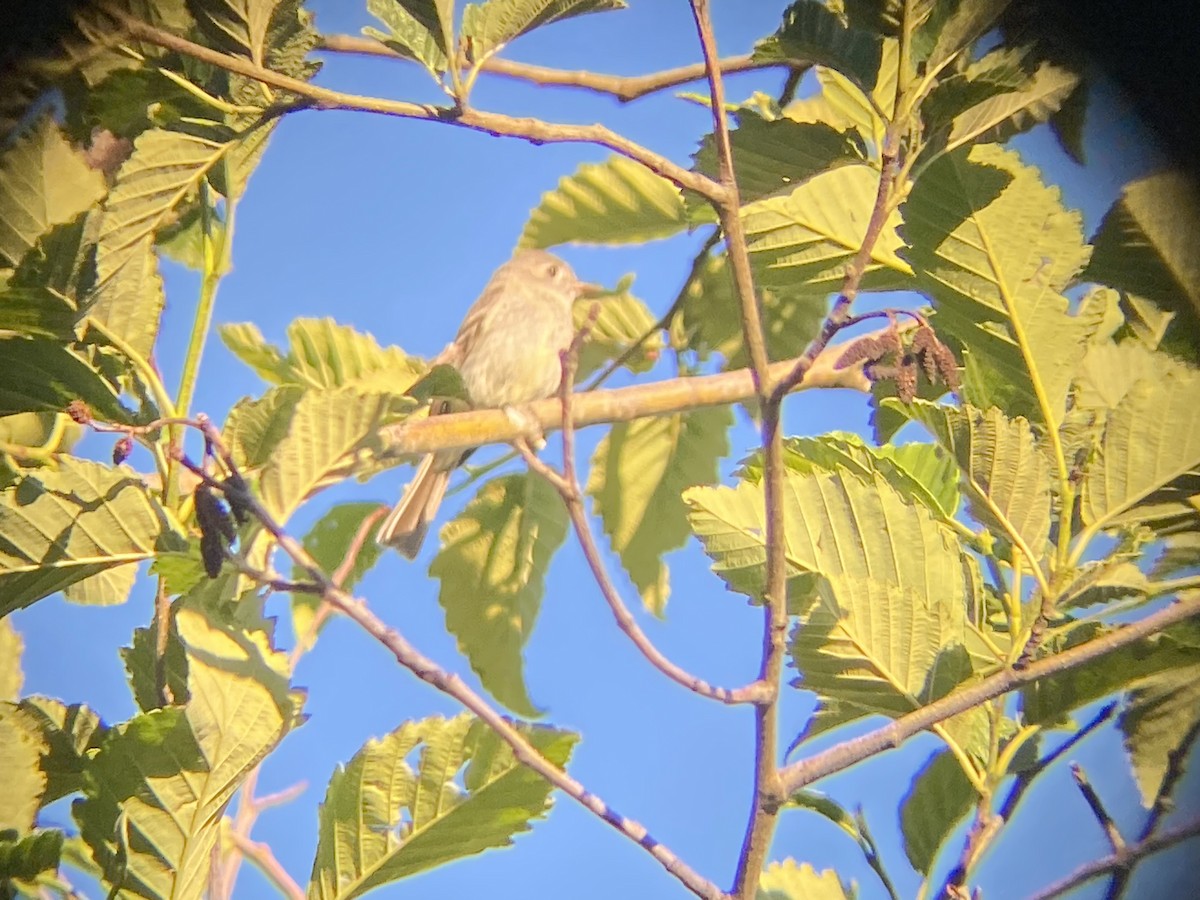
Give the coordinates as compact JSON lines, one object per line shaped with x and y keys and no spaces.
{"x":1096,"y":805}
{"x":1163,"y":804}
{"x":623,"y":88}
{"x":1126,"y":859}
{"x":1026,"y":778}
{"x":529,"y":129}
{"x":450,"y":684}
{"x":664,"y":321}
{"x":264,"y":860}
{"x":838,"y":758}
{"x":567,"y":484}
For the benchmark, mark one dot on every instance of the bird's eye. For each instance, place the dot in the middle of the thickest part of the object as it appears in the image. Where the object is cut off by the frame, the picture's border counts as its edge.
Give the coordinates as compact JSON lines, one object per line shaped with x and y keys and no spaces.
{"x":552,"y":270}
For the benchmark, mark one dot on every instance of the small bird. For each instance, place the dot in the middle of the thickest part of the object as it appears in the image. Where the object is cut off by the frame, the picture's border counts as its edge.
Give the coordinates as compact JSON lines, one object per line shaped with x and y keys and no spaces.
{"x":508,"y":352}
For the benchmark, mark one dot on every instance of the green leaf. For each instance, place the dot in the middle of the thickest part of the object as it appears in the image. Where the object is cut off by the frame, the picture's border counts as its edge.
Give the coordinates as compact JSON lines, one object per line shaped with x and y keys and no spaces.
{"x":962,"y":24}
{"x":843,"y":105}
{"x":838,"y":525}
{"x":938,"y":798}
{"x":328,"y":542}
{"x":164,"y":172}
{"x":812,"y":33}
{"x":324,"y":433}
{"x":246,"y":28}
{"x":1151,"y":438}
{"x":617,"y":201}
{"x":63,"y":525}
{"x":1160,"y":721}
{"x":323,"y":354}
{"x":808,"y":235}
{"x":35,"y":312}
{"x":255,"y":427}
{"x":712,"y":323}
{"x":1103,"y":581}
{"x":1006,"y":471}
{"x":1145,"y":244}
{"x":771,"y":155}
{"x":492,"y":568}
{"x":869,"y":648}
{"x":406,"y":35}
{"x":622,"y":320}
{"x":790,"y":880}
{"x":24,"y":781}
{"x":67,"y":733}
{"x":146,"y":673}
{"x":44,"y":376}
{"x":921,"y":472}
{"x":994,"y":248}
{"x":1049,"y":701}
{"x":43,"y":182}
{"x":490,"y":25}
{"x":1002,"y":116}
{"x":26,"y":857}
{"x":382,"y":821}
{"x":638,"y":474}
{"x":108,"y":588}
{"x":11,"y":647}
{"x":158,"y":786}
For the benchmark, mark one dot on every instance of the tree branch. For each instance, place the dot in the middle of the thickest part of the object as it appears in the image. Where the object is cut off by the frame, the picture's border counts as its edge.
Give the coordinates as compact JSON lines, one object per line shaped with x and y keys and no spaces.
{"x":842,"y":756}
{"x":533,"y":130}
{"x":1096,"y":805}
{"x":624,"y":88}
{"x":453,"y":686}
{"x":1122,"y":860}
{"x":567,"y":484}
{"x":768,"y":796}
{"x":484,"y":426}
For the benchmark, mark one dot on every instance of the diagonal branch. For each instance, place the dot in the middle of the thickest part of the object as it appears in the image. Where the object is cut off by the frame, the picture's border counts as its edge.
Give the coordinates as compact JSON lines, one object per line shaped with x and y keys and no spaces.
{"x":448,"y":683}
{"x":846,"y":754}
{"x":529,"y":129}
{"x":623,"y":88}
{"x":1121,"y":860}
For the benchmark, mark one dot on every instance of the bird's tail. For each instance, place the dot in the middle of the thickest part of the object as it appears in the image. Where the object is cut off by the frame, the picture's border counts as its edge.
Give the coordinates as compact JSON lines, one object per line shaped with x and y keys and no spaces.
{"x":406,"y":525}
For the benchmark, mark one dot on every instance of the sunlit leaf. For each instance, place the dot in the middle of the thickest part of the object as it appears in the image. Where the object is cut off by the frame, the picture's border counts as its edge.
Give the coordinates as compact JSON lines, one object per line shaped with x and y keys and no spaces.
{"x":11,"y":647}
{"x":24,"y":781}
{"x":994,"y":248}
{"x":384,"y":819}
{"x":617,"y":201}
{"x":44,"y":182}
{"x":622,"y":320}
{"x":1007,"y":472}
{"x":67,"y":733}
{"x":26,"y":857}
{"x":493,"y":23}
{"x":1151,"y":438}
{"x":809,"y":234}
{"x":492,"y":567}
{"x":638,"y":474}
{"x":324,"y":432}
{"x":790,"y":880}
{"x":65,"y":524}
{"x":407,"y":35}
{"x":156,"y":789}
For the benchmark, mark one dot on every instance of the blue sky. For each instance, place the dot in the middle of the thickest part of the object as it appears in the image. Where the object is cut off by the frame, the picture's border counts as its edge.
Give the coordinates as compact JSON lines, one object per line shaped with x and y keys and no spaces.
{"x":393,"y":227}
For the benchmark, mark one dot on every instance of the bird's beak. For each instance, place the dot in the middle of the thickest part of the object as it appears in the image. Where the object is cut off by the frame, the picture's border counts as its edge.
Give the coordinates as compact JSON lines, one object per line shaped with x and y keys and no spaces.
{"x":588,"y":289}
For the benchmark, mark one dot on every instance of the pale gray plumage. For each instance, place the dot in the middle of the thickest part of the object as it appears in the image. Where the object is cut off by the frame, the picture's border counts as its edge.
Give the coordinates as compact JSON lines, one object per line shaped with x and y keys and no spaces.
{"x":508,"y":352}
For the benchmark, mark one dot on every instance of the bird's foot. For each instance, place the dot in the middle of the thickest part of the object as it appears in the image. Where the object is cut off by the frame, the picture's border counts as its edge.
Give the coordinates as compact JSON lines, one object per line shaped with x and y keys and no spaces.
{"x":526,"y":422}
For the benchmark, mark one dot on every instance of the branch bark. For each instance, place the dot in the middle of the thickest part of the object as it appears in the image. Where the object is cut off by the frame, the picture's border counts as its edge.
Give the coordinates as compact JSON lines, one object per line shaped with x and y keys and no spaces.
{"x":496,"y":124}
{"x":842,"y":756}
{"x":623,"y":88}
{"x":660,"y":398}
{"x":450,"y":684}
